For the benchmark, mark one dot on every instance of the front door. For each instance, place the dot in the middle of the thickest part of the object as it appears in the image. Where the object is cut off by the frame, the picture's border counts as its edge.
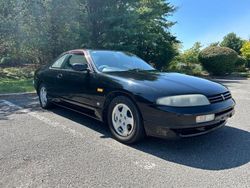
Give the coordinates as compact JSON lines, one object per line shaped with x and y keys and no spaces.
{"x":52,"y":76}
{"x":75,"y":85}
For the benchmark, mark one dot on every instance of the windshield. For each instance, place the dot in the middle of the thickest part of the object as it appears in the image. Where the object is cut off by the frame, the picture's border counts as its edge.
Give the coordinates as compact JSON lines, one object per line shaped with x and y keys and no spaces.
{"x":112,"y":61}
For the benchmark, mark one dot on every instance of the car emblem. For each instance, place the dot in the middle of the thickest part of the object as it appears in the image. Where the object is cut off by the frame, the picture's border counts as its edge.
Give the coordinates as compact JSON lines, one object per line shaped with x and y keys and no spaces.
{"x":223,"y":98}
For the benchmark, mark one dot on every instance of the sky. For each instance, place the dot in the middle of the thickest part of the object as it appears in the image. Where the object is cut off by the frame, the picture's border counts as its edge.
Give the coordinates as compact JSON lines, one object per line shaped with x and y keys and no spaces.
{"x":208,"y":21}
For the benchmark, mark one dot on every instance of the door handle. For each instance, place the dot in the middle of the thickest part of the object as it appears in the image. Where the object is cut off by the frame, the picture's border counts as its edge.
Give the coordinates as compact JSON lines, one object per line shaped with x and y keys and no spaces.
{"x":59,"y":76}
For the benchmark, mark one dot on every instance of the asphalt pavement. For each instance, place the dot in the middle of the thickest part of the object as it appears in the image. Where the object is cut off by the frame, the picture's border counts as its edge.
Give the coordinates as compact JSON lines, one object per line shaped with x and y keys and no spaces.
{"x":61,"y":148}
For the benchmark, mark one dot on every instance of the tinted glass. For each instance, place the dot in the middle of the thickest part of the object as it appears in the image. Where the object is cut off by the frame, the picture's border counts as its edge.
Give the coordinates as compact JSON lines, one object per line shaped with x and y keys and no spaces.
{"x":75,"y":59}
{"x":58,"y":63}
{"x":109,"y":61}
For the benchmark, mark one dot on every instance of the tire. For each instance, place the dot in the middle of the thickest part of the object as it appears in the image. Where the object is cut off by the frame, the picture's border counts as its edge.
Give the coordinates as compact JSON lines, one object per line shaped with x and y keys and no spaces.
{"x":124,"y":121}
{"x":43,"y":97}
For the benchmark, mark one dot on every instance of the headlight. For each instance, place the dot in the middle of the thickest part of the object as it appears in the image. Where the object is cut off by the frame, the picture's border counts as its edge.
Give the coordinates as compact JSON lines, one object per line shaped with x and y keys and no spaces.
{"x":184,"y":100}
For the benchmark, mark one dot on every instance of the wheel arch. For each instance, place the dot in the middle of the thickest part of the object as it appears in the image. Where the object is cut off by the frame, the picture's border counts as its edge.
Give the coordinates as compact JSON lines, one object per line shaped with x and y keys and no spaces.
{"x":114,"y":94}
{"x":39,"y":82}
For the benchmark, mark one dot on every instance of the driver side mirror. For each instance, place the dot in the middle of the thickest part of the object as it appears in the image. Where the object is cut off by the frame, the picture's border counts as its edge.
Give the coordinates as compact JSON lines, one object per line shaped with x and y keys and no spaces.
{"x":80,"y":67}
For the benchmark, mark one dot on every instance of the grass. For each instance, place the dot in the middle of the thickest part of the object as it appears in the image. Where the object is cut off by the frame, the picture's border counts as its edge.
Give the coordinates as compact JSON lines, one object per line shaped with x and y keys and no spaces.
{"x":16,"y":79}
{"x":16,"y":86}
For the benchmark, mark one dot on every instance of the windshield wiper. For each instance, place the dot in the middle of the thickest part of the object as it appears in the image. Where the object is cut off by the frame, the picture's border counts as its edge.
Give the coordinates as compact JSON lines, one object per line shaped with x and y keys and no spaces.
{"x":135,"y":69}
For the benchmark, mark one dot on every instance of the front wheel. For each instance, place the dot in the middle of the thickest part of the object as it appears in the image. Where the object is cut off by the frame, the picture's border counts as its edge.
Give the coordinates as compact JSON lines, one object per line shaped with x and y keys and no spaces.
{"x":43,"y":97}
{"x":125,"y":121}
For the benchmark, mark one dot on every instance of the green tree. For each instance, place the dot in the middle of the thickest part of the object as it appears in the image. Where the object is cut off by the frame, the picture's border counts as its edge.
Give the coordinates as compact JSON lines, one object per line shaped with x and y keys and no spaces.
{"x":232,"y":41}
{"x":39,"y":30}
{"x":66,"y":25}
{"x":245,"y":51}
{"x":214,"y":44}
{"x":153,"y":40}
{"x":52,"y":27}
{"x":139,"y":26}
{"x":188,"y":62}
{"x":9,"y":28}
{"x":110,"y":23}
{"x":190,"y":56}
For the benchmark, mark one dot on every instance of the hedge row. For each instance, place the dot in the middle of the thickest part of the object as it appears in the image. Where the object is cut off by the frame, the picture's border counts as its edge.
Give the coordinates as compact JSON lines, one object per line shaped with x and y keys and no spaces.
{"x":220,"y":60}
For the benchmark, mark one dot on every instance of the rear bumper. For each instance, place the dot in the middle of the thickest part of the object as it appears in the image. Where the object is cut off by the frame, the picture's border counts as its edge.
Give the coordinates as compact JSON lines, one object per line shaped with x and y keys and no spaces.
{"x":169,"y":121}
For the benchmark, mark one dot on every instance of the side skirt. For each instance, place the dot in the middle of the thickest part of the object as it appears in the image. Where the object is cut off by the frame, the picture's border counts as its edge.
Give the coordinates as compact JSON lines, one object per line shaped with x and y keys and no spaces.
{"x":81,"y":110}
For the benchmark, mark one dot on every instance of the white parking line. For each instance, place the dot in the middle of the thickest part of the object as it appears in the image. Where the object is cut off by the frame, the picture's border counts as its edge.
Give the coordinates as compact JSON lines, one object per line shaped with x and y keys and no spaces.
{"x":17,"y":94}
{"x":42,"y":118}
{"x":144,"y":164}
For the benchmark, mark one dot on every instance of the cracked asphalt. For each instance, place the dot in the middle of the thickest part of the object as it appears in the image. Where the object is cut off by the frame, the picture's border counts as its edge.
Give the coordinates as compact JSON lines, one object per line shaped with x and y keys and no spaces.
{"x":61,"y":148}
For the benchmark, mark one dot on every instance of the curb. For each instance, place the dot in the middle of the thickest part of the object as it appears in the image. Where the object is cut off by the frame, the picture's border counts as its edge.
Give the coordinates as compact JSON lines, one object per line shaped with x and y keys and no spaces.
{"x":17,"y":94}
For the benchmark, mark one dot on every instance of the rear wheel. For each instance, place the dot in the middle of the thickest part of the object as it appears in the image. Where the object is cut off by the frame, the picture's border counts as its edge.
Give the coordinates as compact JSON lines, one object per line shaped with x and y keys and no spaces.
{"x":125,"y":121}
{"x":43,"y":97}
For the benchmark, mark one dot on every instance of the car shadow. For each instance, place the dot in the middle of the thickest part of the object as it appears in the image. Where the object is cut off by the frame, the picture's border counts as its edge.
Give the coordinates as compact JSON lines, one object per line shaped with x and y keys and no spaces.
{"x":226,"y":148}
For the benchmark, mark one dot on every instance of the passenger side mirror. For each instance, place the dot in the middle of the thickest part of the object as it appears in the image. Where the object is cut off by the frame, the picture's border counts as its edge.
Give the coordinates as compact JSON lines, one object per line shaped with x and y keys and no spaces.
{"x":80,"y":67}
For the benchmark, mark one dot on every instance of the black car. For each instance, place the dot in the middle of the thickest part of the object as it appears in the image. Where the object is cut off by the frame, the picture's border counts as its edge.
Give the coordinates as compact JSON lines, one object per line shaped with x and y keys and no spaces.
{"x":131,"y":96}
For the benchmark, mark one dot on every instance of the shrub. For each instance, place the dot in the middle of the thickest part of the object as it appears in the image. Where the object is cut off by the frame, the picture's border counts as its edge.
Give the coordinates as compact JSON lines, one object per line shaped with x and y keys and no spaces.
{"x":191,"y":69}
{"x":248,"y":63}
{"x":218,"y":60}
{"x":17,"y":72}
{"x":12,"y":62}
{"x":6,"y":61}
{"x":241,"y":63}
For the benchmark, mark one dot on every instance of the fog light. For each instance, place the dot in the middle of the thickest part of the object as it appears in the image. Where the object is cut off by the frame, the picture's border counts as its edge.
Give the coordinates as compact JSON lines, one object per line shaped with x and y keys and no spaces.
{"x":205,"y":118}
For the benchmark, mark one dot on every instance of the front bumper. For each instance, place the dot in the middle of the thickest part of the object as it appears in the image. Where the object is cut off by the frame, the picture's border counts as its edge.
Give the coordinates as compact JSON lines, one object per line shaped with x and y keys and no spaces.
{"x":162,"y":121}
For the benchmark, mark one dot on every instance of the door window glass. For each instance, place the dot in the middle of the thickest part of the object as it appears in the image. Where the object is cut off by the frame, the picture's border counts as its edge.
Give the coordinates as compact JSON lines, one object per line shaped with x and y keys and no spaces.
{"x":75,"y":59}
{"x":58,"y":63}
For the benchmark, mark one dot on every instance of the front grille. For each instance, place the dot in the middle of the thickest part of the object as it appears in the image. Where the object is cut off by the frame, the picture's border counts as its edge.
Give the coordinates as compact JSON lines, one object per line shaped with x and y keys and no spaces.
{"x":220,"y":97}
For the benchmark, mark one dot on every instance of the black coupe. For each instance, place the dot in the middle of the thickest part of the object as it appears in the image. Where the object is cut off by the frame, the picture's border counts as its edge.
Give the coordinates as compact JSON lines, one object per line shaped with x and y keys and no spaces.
{"x":131,"y":96}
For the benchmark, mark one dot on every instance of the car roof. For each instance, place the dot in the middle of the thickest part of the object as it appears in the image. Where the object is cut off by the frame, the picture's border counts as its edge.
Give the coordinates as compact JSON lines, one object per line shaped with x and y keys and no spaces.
{"x":84,"y":50}
{"x":75,"y":51}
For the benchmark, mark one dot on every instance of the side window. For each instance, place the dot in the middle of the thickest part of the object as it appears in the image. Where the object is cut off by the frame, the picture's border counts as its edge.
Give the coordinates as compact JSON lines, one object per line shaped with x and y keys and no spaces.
{"x":75,"y":59}
{"x":58,"y":63}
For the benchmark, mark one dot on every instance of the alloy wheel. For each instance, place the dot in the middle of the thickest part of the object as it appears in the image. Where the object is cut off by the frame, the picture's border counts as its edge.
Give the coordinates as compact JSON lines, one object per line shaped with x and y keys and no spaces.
{"x":43,"y":96}
{"x":122,"y":120}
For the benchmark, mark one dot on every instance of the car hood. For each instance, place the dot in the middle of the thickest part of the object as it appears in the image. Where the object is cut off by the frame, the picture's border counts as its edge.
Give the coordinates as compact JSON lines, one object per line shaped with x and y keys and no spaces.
{"x":170,"y":83}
